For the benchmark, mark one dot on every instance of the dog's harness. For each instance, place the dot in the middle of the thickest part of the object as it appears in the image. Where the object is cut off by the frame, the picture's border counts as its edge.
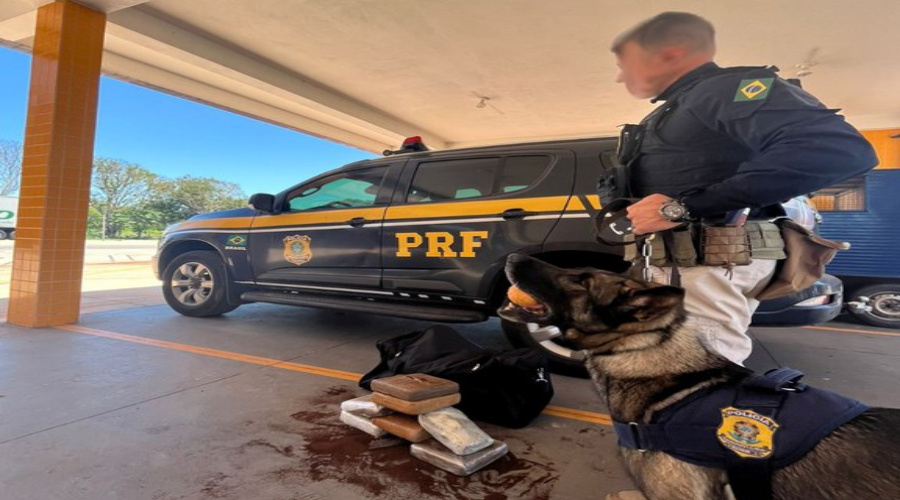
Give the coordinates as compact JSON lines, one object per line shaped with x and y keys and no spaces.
{"x":764,"y":423}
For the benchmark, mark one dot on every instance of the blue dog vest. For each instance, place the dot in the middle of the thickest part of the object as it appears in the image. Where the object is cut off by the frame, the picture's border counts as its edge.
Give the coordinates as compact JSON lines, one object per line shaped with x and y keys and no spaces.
{"x":764,"y":423}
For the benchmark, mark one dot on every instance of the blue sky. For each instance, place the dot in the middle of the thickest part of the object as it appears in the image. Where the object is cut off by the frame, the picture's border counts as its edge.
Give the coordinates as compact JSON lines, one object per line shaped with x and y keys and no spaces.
{"x":172,"y":137}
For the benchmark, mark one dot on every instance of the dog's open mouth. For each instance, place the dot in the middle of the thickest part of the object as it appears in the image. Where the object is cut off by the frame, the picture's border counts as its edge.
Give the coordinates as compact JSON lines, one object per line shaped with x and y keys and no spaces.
{"x":524,"y":307}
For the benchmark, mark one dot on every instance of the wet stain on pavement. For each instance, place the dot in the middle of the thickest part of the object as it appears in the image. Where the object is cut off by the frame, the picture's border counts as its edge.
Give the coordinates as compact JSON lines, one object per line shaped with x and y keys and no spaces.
{"x":383,"y":468}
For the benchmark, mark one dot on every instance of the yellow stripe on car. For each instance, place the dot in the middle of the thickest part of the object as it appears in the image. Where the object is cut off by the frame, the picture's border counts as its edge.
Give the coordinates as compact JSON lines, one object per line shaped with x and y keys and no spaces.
{"x":575,"y":204}
{"x":414,"y":212}
{"x":470,"y":208}
{"x":236,"y":223}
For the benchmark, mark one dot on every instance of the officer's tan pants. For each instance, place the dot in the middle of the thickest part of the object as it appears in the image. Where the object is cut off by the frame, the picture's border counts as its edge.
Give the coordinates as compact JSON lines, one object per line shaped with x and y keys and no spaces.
{"x":720,"y":303}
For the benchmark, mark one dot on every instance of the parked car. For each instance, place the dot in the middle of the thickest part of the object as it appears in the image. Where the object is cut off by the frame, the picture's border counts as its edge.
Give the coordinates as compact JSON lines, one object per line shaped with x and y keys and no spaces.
{"x":819,"y":303}
{"x":416,"y":234}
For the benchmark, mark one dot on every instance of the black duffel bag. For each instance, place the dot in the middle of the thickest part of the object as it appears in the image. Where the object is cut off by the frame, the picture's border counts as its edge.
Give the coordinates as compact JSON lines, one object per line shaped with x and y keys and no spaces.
{"x":507,"y":388}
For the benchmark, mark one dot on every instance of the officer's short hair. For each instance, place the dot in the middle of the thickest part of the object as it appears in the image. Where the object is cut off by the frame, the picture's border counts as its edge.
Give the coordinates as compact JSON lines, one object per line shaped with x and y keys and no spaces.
{"x":669,"y":29}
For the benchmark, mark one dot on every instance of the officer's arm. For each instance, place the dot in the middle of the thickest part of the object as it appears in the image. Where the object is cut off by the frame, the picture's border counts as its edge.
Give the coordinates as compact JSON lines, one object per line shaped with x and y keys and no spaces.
{"x":800,"y":146}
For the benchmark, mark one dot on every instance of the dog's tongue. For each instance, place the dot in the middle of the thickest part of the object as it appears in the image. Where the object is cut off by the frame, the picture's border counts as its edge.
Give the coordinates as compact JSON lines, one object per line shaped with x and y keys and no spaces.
{"x":522,"y":299}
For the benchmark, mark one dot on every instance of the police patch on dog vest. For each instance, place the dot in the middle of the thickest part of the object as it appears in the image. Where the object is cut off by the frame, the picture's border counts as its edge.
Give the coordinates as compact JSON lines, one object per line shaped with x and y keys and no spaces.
{"x":747,"y":433}
{"x":715,"y":425}
{"x":754,"y":89}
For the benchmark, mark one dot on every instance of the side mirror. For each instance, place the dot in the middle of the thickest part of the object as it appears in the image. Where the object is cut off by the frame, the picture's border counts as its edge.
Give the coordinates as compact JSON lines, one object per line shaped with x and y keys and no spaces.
{"x":262,"y":202}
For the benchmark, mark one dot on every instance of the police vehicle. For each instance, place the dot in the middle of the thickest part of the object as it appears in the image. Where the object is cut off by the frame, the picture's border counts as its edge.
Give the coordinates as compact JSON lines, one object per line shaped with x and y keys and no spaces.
{"x":416,"y":234}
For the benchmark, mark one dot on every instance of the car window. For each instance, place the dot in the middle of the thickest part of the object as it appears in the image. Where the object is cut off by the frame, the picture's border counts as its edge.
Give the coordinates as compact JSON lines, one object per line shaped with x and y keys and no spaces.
{"x":519,"y":172}
{"x":448,"y":180}
{"x":345,"y":190}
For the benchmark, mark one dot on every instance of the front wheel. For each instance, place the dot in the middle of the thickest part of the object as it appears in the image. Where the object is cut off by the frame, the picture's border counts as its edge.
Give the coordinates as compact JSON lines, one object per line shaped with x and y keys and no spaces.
{"x":560,"y":359}
{"x":882,"y":307}
{"x":196,"y":284}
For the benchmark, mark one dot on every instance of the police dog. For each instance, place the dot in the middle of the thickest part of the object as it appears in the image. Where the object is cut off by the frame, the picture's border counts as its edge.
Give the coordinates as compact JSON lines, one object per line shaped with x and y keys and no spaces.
{"x":642,"y":358}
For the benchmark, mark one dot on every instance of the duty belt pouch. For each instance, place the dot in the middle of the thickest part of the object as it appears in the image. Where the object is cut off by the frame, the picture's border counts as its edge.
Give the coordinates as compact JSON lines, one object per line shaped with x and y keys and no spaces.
{"x":807,"y":255}
{"x":629,"y":143}
{"x":725,"y":246}
{"x":615,"y":183}
{"x":683,"y":251}
{"x":766,"y":242}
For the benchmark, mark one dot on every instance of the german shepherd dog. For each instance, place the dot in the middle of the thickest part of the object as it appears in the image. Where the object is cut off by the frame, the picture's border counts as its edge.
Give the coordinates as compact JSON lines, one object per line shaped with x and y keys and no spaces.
{"x":642,"y":358}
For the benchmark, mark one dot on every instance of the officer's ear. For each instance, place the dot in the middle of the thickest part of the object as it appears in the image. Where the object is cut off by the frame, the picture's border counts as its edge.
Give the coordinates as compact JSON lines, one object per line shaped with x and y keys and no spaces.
{"x":672,"y":54}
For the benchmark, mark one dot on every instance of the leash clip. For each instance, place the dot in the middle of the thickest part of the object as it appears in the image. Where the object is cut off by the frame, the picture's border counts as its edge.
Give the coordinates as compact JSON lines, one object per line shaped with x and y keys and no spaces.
{"x":634,"y":428}
{"x":646,"y":253}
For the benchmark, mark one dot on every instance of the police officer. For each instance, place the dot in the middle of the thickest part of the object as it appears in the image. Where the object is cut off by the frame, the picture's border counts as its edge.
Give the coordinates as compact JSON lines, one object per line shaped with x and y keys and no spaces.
{"x":723,"y":140}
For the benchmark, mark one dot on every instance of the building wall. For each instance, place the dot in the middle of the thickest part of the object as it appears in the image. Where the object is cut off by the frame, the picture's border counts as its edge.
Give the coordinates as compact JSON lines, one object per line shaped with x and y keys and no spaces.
{"x":888,"y":149}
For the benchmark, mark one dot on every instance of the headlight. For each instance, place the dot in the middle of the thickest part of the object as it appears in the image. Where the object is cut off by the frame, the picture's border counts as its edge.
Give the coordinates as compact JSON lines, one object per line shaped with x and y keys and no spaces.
{"x":815,"y":301}
{"x":165,"y":235}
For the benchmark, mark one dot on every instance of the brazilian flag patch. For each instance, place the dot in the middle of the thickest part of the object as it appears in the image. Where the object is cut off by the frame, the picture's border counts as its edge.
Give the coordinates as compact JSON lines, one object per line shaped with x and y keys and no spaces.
{"x":237,"y":240}
{"x":754,"y":89}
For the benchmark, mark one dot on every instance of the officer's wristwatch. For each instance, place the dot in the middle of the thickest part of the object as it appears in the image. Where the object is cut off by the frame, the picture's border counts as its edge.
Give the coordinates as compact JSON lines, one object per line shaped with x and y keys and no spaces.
{"x":674,"y":211}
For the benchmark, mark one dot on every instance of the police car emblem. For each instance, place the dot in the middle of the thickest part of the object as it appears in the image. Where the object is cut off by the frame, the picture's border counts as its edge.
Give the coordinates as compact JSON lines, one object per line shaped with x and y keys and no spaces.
{"x":753,"y":89}
{"x":297,"y":249}
{"x":747,"y":433}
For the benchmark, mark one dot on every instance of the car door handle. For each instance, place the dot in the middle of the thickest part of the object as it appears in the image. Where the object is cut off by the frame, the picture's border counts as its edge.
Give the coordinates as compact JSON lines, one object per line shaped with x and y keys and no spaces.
{"x":515,"y":213}
{"x":357,"y":222}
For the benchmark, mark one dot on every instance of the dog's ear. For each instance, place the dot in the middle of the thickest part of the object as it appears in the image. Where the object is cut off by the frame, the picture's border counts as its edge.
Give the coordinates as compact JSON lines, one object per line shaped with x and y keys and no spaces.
{"x":650,"y":303}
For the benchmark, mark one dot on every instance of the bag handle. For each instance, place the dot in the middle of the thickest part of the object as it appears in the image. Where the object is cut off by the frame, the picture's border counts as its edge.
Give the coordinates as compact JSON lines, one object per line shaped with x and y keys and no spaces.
{"x":786,"y":222}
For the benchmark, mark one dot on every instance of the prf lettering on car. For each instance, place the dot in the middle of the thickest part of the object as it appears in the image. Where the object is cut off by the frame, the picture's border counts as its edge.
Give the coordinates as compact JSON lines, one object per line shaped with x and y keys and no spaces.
{"x":440,"y":243}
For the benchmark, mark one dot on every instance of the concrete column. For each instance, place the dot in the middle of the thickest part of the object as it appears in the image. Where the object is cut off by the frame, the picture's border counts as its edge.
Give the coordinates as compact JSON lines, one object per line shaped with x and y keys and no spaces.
{"x":56,"y":169}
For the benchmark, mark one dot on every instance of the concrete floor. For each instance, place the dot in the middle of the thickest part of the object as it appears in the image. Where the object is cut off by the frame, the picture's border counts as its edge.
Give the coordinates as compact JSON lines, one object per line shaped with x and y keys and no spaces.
{"x":118,"y":407}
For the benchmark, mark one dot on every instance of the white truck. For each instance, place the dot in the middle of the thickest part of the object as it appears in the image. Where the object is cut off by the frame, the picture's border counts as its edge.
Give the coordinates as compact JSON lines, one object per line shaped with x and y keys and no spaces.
{"x":8,"y":207}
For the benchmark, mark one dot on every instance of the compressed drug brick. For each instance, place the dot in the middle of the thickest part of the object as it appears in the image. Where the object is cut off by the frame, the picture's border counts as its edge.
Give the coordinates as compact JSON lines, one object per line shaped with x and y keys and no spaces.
{"x":441,"y":457}
{"x":405,"y":426}
{"x":455,"y":431}
{"x":415,"y":386}
{"x":416,"y":407}
{"x":362,"y":423}
{"x":364,"y":406}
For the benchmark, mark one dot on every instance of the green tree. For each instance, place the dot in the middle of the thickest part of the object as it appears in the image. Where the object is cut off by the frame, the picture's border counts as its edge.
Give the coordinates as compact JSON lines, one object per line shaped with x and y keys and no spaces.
{"x":128,"y":200}
{"x":116,"y":186}
{"x":184,"y":197}
{"x":10,"y":166}
{"x":143,"y":220}
{"x":94,"y":223}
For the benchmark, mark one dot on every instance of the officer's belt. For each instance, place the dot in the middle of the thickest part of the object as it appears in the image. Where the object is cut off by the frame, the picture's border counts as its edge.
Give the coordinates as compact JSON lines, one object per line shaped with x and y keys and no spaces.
{"x":764,"y":238}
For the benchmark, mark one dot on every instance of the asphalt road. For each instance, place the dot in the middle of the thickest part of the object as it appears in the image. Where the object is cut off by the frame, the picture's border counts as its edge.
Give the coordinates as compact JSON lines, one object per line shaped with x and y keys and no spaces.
{"x":99,"y":251}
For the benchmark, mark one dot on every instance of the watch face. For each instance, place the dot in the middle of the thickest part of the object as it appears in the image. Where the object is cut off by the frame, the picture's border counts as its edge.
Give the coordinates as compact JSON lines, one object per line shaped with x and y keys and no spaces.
{"x":673,"y":211}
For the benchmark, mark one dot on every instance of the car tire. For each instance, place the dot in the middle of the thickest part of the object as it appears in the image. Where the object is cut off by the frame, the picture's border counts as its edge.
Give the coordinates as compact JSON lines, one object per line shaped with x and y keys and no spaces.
{"x":12,"y":234}
{"x":3,"y":234}
{"x":884,"y":301}
{"x":196,"y":284}
{"x":561,"y":360}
